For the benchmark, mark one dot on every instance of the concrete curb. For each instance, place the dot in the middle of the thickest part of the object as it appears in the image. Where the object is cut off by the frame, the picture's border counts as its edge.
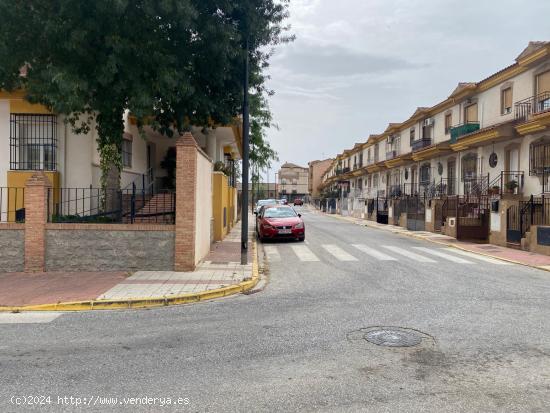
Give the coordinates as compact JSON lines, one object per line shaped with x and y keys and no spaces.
{"x":149,"y":302}
{"x":447,"y":244}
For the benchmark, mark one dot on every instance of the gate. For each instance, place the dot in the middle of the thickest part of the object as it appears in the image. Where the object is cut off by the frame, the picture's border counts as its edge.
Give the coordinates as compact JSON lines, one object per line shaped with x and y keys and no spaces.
{"x":473,"y":218}
{"x":399,"y":207}
{"x":514,"y":231}
{"x":381,"y":210}
{"x":416,"y":213}
{"x":519,"y":218}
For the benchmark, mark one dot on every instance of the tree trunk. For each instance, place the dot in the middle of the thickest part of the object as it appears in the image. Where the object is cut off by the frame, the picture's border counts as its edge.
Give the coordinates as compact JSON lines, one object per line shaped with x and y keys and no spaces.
{"x":113,"y":200}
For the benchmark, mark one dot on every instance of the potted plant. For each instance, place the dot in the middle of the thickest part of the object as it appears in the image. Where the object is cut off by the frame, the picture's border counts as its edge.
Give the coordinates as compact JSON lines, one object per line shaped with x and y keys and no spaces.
{"x":511,"y":186}
{"x":495,"y":190}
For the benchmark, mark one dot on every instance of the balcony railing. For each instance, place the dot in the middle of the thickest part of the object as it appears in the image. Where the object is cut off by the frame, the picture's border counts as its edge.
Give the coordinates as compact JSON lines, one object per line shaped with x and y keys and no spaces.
{"x":531,"y":106}
{"x":420,"y":143}
{"x":509,"y":182}
{"x":345,"y":170}
{"x":392,"y":154}
{"x":396,"y":191}
{"x":463,"y":129}
{"x":445,"y":187}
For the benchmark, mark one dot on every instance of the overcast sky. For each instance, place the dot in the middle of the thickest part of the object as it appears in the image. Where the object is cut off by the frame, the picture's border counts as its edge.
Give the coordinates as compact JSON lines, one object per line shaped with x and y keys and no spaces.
{"x":358,"y":65}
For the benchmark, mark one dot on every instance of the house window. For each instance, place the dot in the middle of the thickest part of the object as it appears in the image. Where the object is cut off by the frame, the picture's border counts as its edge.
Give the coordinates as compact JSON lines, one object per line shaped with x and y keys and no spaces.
{"x":469,"y":167}
{"x":506,"y":101}
{"x":543,"y":91}
{"x":425,"y":174}
{"x":126,"y":152}
{"x":470,"y":114}
{"x":412,"y":135}
{"x":33,"y":142}
{"x":448,"y":122}
{"x":539,"y":158}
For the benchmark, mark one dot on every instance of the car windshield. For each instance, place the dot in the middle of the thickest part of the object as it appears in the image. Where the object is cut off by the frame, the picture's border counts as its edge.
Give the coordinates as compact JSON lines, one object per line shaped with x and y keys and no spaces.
{"x":265,"y":202}
{"x":279,"y":213}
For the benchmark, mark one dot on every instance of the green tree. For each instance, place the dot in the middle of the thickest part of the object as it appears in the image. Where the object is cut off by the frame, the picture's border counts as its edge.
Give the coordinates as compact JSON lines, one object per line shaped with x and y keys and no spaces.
{"x":179,"y":60}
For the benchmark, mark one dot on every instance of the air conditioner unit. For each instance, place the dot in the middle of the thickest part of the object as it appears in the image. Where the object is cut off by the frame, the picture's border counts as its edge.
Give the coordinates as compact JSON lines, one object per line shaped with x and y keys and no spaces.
{"x":428,"y":122}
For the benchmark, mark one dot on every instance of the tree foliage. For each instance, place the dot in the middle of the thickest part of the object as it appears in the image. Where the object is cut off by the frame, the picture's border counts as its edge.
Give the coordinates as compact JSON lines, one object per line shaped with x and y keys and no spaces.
{"x":178,"y":60}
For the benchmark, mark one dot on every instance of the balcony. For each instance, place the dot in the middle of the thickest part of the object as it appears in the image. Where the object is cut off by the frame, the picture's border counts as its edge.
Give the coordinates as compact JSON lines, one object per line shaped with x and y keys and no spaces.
{"x":463,"y":129}
{"x":420,"y":143}
{"x":345,"y":170}
{"x":534,"y":105}
{"x":392,"y":154}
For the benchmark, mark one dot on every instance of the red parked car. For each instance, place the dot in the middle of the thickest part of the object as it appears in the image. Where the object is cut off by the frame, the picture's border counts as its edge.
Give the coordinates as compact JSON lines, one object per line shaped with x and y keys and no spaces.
{"x":298,"y":201}
{"x":280,"y":221}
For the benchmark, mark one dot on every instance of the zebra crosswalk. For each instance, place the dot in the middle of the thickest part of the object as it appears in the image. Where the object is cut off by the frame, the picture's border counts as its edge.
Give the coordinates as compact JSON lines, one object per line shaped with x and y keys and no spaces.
{"x":357,"y":252}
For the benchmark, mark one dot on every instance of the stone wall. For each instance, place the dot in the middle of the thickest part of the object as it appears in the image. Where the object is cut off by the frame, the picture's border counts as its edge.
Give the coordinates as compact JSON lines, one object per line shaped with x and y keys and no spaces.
{"x":109,"y":249}
{"x":12,"y":250}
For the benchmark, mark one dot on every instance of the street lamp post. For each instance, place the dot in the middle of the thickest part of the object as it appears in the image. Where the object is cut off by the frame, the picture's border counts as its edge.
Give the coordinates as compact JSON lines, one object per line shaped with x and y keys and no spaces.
{"x":246,"y":156}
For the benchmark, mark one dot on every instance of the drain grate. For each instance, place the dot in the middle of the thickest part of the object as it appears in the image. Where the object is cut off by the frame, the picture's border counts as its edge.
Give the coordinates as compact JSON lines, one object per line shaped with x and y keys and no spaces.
{"x":393,"y":337}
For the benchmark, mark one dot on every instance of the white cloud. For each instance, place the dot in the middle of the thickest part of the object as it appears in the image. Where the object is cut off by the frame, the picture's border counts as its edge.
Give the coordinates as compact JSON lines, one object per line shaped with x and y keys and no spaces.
{"x":358,"y":65}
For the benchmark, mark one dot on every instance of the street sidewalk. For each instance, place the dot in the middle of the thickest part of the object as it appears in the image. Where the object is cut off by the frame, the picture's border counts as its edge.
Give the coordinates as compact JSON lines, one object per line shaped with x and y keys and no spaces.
{"x":220,"y":274}
{"x":526,"y":258}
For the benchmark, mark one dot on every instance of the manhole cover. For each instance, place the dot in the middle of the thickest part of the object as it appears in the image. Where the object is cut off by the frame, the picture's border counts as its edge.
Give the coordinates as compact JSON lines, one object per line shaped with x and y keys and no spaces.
{"x":393,"y":337}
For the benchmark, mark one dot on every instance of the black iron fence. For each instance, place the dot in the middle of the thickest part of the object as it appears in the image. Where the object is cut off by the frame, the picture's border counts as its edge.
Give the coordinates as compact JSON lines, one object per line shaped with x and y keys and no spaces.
{"x":110,"y":206}
{"x":520,"y":217}
{"x":12,"y":204}
{"x":525,"y":108}
{"x":510,"y":182}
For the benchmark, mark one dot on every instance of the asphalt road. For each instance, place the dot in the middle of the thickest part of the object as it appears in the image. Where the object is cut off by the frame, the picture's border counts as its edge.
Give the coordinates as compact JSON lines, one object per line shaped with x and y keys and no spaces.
{"x":299,"y":345}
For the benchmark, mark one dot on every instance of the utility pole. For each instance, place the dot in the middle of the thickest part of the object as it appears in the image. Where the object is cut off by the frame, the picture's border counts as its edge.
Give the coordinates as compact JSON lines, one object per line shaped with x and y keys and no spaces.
{"x":246,"y":156}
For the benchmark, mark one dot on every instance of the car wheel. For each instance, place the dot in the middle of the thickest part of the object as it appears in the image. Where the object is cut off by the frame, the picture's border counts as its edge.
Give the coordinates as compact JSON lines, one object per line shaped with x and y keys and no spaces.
{"x":301,"y":239}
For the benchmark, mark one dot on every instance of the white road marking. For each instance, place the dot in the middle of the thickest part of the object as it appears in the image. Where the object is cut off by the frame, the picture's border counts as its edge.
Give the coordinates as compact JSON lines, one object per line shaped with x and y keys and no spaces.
{"x":374,"y":253}
{"x":438,"y":253}
{"x":339,"y":253}
{"x":409,"y":254}
{"x":272,"y":253}
{"x":477,"y":256}
{"x":304,"y":253}
{"x":28,"y":318}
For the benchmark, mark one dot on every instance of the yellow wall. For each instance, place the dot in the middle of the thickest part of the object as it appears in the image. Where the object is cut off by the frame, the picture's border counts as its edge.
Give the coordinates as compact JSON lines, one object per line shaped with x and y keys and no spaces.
{"x":220,"y":203}
{"x":18,"y":179}
{"x":231,"y":209}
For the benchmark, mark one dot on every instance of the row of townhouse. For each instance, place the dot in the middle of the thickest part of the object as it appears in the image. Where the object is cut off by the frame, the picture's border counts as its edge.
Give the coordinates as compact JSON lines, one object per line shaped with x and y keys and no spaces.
{"x":139,"y":220}
{"x":476,"y":165}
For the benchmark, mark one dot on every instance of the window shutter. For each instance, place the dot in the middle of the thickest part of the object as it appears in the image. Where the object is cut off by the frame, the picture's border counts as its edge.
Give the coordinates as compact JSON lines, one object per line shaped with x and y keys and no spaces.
{"x":543,"y":82}
{"x":471,"y":113}
{"x":507,"y":98}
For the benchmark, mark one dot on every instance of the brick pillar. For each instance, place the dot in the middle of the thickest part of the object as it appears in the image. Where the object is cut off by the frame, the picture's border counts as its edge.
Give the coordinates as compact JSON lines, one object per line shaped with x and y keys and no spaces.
{"x":186,"y":199}
{"x":36,"y":216}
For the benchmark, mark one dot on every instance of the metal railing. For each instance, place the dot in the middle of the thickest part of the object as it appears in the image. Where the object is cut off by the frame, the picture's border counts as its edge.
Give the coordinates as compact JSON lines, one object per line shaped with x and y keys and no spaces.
{"x":478,"y":185}
{"x":520,"y":218}
{"x":445,"y":187}
{"x":533,"y":105}
{"x":110,"y":206}
{"x":510,"y":182}
{"x":12,"y":204}
{"x":420,"y":143}
{"x":463,"y":129}
{"x":33,"y":142}
{"x":395,"y":191}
